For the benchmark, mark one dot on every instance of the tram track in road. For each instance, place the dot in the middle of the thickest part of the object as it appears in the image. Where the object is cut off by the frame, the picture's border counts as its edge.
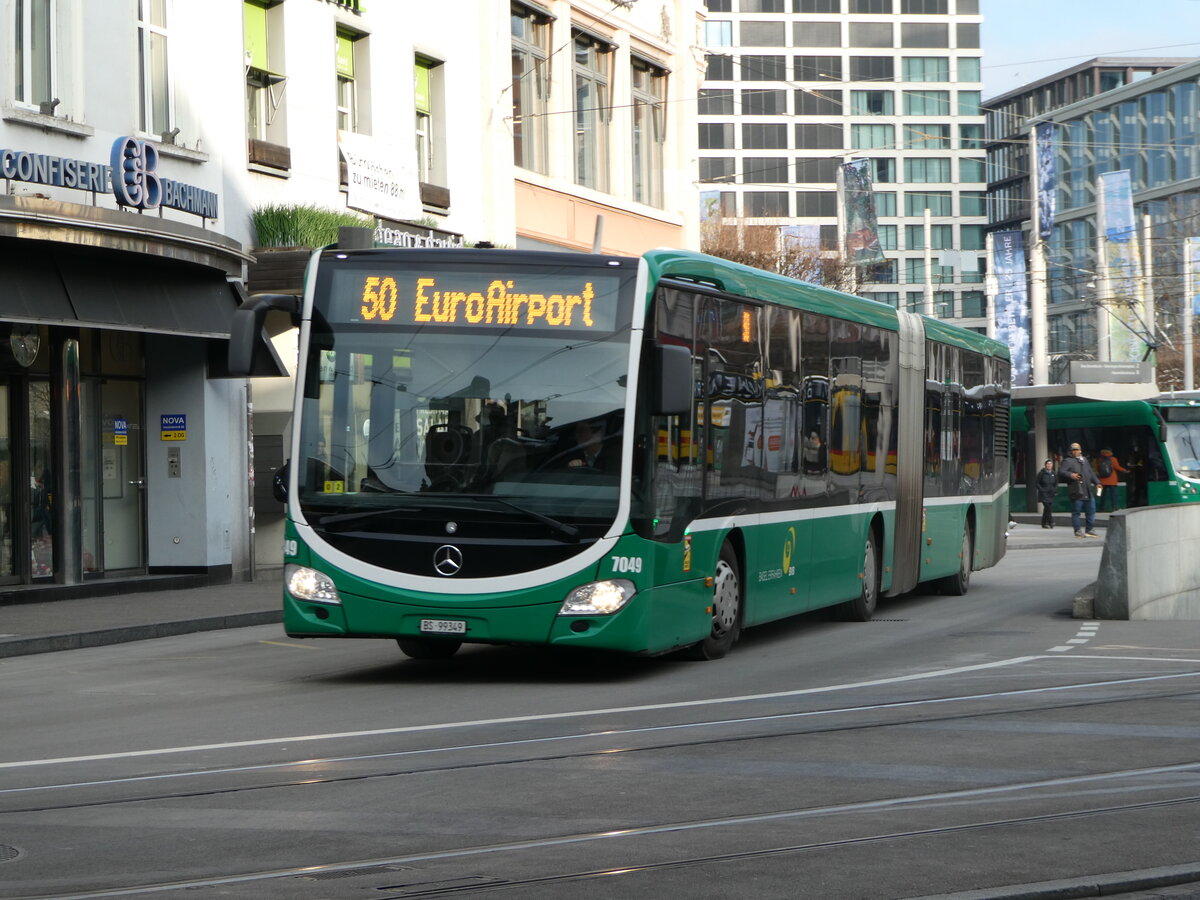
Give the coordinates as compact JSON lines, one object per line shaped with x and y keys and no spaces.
{"x":393,"y":866}
{"x":610,"y":735}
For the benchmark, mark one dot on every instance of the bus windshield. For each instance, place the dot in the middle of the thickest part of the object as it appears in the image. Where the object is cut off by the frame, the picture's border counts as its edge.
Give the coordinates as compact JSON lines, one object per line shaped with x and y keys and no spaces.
{"x":465,"y":390}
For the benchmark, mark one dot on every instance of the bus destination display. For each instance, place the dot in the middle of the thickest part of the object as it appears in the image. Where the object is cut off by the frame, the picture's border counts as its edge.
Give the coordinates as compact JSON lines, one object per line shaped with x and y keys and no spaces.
{"x":566,"y":301}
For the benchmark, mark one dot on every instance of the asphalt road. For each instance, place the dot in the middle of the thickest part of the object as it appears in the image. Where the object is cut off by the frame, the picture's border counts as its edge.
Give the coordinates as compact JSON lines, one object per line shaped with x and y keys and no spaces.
{"x":983,"y":746}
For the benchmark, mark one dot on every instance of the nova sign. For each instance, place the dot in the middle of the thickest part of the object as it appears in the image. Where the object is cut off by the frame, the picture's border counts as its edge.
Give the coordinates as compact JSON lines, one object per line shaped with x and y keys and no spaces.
{"x":132,"y":177}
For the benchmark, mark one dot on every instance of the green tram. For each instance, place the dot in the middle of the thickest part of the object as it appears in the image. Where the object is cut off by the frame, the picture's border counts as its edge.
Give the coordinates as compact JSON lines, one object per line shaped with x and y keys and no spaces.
{"x":632,"y":454}
{"x":1157,"y":440}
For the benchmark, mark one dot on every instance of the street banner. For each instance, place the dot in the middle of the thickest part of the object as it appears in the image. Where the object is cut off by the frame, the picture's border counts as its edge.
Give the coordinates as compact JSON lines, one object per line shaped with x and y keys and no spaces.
{"x":1046,"y":178}
{"x":1012,"y":300}
{"x":856,"y":199}
{"x":1122,"y":266}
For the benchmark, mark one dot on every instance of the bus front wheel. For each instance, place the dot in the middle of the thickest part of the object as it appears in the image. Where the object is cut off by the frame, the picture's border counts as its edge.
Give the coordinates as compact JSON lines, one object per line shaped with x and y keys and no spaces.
{"x":862,"y":607}
{"x":726,"y":609}
{"x":428,"y":648}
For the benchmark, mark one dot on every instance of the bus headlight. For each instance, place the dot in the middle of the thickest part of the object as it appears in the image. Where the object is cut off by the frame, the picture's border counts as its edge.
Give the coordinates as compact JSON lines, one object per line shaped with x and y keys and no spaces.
{"x":600,"y":598}
{"x":304,"y":583}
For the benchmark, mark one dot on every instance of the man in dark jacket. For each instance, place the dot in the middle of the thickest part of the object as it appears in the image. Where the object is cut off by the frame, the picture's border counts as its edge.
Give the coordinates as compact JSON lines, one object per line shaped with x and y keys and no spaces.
{"x":1047,"y":486}
{"x":1081,"y":489}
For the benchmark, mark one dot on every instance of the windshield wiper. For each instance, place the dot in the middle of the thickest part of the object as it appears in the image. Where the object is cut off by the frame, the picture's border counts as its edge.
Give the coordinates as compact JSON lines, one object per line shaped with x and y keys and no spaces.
{"x":334,"y":518}
{"x":569,"y":532}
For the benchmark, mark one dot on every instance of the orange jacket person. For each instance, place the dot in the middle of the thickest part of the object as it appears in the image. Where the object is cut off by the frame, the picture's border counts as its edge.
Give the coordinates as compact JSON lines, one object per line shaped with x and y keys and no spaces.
{"x":1110,"y":464}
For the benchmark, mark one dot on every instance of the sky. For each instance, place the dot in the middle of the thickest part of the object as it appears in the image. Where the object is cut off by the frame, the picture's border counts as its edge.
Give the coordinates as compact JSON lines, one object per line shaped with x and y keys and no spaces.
{"x":1024,"y":40}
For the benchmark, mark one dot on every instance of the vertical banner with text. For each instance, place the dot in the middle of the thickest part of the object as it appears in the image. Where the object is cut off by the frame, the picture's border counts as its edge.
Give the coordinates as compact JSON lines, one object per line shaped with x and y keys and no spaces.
{"x":1122,"y":266}
{"x":1012,"y":300}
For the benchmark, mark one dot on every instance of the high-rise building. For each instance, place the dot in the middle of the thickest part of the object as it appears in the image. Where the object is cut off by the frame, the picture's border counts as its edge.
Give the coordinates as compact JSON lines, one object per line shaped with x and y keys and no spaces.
{"x":795,"y":88}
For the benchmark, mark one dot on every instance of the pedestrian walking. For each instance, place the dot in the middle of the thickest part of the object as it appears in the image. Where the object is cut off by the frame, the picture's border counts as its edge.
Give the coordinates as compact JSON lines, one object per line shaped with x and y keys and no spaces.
{"x":1047,"y":487}
{"x":1081,"y":489}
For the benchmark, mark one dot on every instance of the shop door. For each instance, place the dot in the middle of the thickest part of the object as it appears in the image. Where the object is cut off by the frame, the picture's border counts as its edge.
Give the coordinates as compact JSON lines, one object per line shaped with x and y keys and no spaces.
{"x":8,"y":568}
{"x":122,"y":476}
{"x":41,"y":480}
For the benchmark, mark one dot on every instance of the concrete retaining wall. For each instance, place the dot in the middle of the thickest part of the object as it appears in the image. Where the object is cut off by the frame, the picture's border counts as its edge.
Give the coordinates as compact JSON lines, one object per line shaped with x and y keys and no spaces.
{"x":1151,"y":564}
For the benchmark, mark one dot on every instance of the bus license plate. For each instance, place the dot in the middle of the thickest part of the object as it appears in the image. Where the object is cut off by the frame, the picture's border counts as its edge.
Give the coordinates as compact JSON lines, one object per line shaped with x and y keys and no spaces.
{"x":443,"y":626}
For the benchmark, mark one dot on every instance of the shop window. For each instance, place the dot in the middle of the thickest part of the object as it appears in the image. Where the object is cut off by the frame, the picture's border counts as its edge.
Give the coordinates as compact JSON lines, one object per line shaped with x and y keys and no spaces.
{"x":34,"y":58}
{"x":265,"y":85}
{"x":157,"y":114}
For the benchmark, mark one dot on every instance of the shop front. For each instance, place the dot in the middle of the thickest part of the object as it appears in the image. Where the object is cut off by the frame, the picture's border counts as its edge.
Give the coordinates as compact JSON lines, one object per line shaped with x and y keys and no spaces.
{"x":119,"y":437}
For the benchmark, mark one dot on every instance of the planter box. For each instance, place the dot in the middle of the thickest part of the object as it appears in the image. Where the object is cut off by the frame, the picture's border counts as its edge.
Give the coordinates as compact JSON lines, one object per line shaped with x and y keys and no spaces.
{"x":278,"y":270}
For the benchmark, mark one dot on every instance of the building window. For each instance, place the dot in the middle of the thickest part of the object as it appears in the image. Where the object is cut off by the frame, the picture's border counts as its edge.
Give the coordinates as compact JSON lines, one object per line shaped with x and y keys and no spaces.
{"x":927,"y":103}
{"x":762,"y":6}
{"x":763,"y":34}
{"x":887,"y":237}
{"x":883,"y":272}
{"x":871,"y":34}
{"x":925,"y":170}
{"x":973,"y":305}
{"x":924,"y":34}
{"x":719,"y":5}
{"x":819,"y":137}
{"x":885,"y":203}
{"x":649,"y":131}
{"x":531,"y":87}
{"x":969,"y":103}
{"x":715,"y":102}
{"x":891,"y":298}
{"x":871,"y":7}
{"x":967,"y":34}
{"x":883,"y":170}
{"x":765,"y":204}
{"x":872,"y":68}
{"x":265,"y":86}
{"x":765,"y":170}
{"x":816,"y":34}
{"x":821,"y":102}
{"x":717,"y":169}
{"x":968,"y":69}
{"x":925,"y":7}
{"x":347,"y":90}
{"x":816,"y":68}
{"x":926,"y":68}
{"x":764,"y":68}
{"x":430,"y":112}
{"x":970,"y":137}
{"x":941,"y":237}
{"x":872,"y":103}
{"x":873,"y":137}
{"x":926,"y":136}
{"x":157,"y":116}
{"x":716,"y":136}
{"x":972,"y":203}
{"x":764,"y":137}
{"x":816,"y":170}
{"x":718,"y":34}
{"x":593,"y":61}
{"x":718,"y":67}
{"x":939,"y":203}
{"x":764,"y":103}
{"x":971,"y":169}
{"x":817,"y":6}
{"x":35,"y":52}
{"x":816,"y":204}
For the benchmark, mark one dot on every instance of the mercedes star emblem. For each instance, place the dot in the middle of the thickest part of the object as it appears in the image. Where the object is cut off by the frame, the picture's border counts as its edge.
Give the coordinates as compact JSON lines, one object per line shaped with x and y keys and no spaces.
{"x":447,"y":560}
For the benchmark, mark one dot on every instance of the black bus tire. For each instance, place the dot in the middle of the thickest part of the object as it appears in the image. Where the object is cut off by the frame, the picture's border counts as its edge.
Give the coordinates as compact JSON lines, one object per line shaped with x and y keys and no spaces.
{"x":862,"y":607}
{"x":726,"y":609}
{"x":960,"y":582}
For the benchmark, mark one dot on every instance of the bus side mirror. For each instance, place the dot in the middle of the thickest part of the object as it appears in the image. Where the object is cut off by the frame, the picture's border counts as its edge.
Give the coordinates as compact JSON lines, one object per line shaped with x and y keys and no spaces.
{"x":246,"y":338}
{"x":673,"y":387}
{"x":279,"y":482}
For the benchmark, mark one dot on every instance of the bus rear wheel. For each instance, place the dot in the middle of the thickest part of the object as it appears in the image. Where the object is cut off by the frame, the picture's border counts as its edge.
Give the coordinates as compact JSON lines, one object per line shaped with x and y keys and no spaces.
{"x":427,"y":648}
{"x":726,"y":609}
{"x":862,"y":607}
{"x":959,"y":583}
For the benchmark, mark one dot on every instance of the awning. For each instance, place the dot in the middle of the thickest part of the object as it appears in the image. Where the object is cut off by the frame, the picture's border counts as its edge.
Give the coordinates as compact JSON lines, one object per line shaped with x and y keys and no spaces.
{"x":69,"y":285}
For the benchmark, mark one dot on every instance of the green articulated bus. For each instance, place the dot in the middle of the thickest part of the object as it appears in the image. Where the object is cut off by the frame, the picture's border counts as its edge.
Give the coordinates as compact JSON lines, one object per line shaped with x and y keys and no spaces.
{"x":641,"y":454}
{"x":1157,"y":440}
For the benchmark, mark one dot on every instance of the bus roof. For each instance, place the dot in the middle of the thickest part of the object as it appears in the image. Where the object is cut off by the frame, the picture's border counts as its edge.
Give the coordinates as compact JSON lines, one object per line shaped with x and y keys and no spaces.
{"x":745,"y":281}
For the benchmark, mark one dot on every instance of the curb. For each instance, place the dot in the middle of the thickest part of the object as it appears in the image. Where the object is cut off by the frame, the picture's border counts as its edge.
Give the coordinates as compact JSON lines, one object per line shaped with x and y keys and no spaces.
{"x":49,"y":643}
{"x":1106,"y":885}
